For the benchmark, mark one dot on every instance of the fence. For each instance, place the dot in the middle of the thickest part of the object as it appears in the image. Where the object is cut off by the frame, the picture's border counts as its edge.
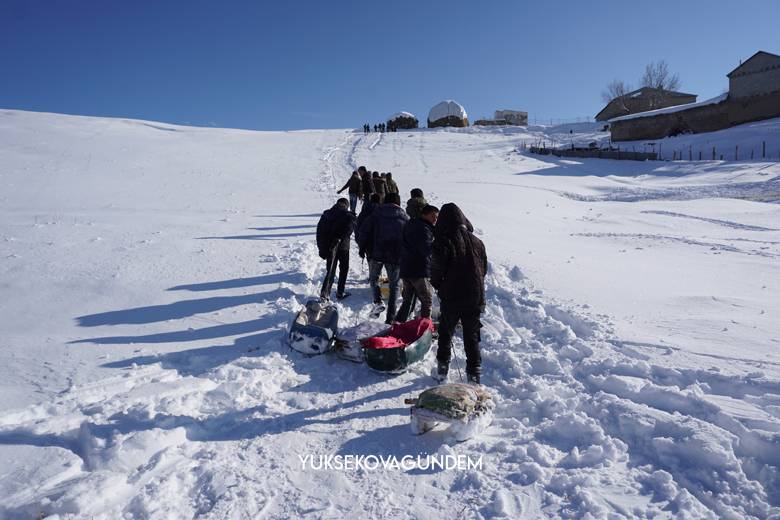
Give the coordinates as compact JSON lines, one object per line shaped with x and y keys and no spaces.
{"x":556,"y":121}
{"x":713,"y":153}
{"x":691,"y":153}
{"x":596,"y":153}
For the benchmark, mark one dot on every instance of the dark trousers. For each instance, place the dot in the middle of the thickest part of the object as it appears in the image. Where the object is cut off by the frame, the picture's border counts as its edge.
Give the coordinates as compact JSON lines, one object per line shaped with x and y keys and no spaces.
{"x":469,"y":318}
{"x":419,"y":288}
{"x":393,"y":274}
{"x":342,"y":259}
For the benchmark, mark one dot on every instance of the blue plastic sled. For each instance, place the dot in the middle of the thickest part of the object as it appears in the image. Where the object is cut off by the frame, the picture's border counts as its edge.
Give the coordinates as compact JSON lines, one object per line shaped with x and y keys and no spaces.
{"x":313,"y":331}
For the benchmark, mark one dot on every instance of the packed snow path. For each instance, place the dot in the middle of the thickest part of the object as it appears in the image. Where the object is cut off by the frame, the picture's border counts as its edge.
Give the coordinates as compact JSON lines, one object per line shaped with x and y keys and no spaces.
{"x":204,"y":411}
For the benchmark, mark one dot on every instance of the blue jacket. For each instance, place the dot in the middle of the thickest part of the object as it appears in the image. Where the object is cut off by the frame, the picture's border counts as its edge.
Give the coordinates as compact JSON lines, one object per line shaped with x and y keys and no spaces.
{"x":416,"y":249}
{"x":381,"y":235}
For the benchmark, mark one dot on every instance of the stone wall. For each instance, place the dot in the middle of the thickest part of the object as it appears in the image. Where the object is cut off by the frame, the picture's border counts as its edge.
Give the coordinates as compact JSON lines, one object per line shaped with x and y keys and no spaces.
{"x":755,"y":108}
{"x":449,"y":121}
{"x":706,"y":118}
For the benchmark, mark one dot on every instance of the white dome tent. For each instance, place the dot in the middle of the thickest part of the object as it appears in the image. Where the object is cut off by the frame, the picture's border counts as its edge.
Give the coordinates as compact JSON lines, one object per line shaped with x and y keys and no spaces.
{"x":448,"y":113}
{"x":402,"y":121}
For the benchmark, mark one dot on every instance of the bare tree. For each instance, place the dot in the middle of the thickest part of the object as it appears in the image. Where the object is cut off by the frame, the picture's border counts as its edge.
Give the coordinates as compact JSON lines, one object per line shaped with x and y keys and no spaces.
{"x":657,"y":76}
{"x":615,"y":89}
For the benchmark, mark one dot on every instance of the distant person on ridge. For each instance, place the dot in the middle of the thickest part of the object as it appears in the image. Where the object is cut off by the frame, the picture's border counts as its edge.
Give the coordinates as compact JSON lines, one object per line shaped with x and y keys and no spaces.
{"x":458,"y":268}
{"x":382,"y":235}
{"x":416,"y":263}
{"x":355,"y":186}
{"x":333,"y":231}
{"x":415,"y":204}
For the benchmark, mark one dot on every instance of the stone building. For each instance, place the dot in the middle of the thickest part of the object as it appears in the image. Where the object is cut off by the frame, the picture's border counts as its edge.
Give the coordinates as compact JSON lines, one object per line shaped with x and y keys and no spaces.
{"x":448,"y":113}
{"x":402,"y":121}
{"x":642,"y":100}
{"x":754,"y":88}
{"x":512,"y":117}
{"x":754,"y":94}
{"x":693,"y":118}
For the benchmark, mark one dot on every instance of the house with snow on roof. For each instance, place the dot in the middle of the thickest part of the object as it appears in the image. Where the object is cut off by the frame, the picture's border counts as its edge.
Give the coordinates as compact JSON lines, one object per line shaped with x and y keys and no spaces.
{"x":753,"y":95}
{"x":642,"y":100}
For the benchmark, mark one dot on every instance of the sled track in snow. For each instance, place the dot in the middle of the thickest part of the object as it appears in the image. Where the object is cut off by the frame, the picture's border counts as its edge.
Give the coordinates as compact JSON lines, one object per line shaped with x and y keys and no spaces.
{"x":337,"y":164}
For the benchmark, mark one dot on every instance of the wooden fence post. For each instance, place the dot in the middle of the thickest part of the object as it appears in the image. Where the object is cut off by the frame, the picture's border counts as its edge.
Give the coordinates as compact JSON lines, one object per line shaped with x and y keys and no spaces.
{"x":763,"y":149}
{"x":736,"y":152}
{"x":713,"y":153}
{"x":700,"y":155}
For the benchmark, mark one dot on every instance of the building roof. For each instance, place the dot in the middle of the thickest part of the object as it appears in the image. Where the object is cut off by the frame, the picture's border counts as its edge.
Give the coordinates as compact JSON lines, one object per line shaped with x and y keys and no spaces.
{"x":750,"y":58}
{"x":402,"y":114}
{"x":445,"y":109}
{"x":669,"y":93}
{"x":507,"y":111}
{"x":671,"y":110}
{"x":644,"y":90}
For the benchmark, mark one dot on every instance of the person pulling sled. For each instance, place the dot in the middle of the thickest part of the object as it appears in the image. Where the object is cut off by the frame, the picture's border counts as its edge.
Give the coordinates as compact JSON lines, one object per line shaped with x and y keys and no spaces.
{"x":416,"y":263}
{"x":380,"y":238}
{"x":333,"y":239}
{"x":458,"y":268}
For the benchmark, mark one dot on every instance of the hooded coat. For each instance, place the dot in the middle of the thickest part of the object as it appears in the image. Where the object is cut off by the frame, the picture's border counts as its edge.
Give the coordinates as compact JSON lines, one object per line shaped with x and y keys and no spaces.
{"x":368,"y":184}
{"x":381,"y":234}
{"x":392,"y":187}
{"x":414,"y":206}
{"x":380,"y":186}
{"x":365,"y":210}
{"x":458,"y":261}
{"x":354,"y":184}
{"x":416,"y":250}
{"x":336,"y":223}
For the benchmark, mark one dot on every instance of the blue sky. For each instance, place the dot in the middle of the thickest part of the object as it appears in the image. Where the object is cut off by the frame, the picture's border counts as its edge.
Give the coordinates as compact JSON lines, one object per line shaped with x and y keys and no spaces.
{"x":335,"y":64}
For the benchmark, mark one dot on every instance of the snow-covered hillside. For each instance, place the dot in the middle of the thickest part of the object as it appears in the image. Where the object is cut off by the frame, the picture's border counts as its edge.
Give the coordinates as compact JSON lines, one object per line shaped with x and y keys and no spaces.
{"x":149,"y":273}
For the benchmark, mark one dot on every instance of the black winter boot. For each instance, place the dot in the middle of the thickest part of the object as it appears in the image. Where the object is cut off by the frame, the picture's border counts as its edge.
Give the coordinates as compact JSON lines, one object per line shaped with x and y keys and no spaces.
{"x":442,"y":369}
{"x":472,"y":379}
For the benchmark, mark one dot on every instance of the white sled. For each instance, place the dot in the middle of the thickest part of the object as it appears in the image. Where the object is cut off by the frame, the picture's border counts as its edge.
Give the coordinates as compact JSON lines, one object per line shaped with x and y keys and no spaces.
{"x":348,"y":340}
{"x":467,"y":410}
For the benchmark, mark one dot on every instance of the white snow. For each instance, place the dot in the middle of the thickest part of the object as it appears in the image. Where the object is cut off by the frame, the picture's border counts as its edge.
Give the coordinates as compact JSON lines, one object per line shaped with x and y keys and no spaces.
{"x":445,"y":109}
{"x":149,"y":273}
